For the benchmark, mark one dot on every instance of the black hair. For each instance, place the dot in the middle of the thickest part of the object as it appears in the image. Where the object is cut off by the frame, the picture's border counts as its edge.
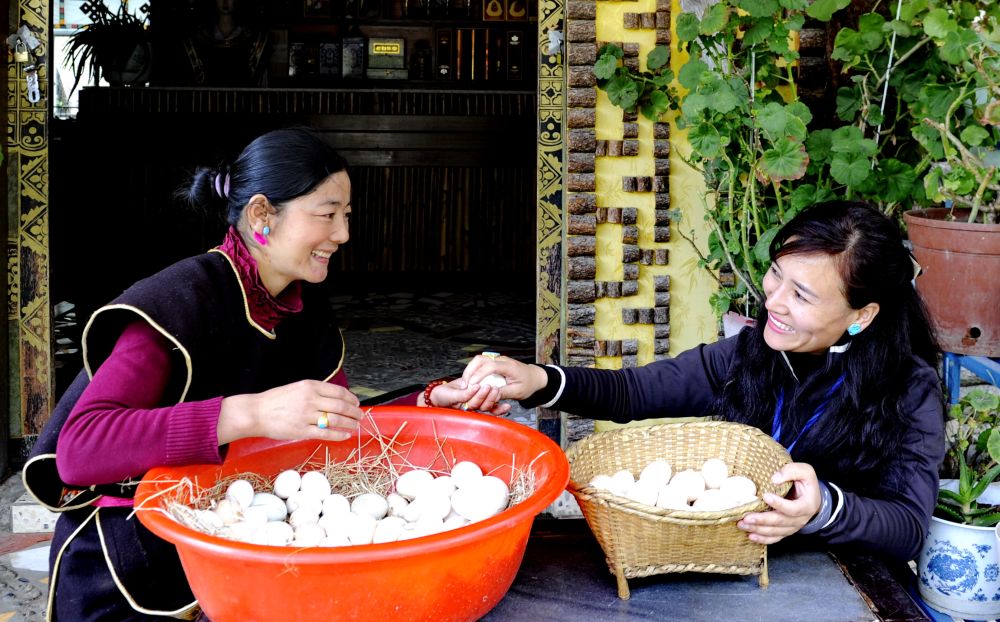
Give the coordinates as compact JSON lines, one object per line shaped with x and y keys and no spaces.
{"x":862,"y":422}
{"x":281,"y":165}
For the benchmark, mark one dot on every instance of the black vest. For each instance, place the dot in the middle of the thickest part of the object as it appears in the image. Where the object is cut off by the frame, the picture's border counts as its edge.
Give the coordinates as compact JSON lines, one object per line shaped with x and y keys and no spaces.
{"x":199,"y":305}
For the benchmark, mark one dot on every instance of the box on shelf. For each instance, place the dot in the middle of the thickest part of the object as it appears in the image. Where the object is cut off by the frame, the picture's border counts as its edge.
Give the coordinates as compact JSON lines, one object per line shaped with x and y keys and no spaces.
{"x":386,"y":53}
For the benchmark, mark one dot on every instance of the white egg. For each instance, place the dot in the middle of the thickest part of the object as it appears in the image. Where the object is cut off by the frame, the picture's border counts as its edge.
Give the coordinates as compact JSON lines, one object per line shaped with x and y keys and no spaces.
{"x":278,"y":533}
{"x":388,"y":529}
{"x":442,"y":485}
{"x":229,"y":511}
{"x":739,"y":487}
{"x":337,"y":540}
{"x":334,"y":525}
{"x":690,"y":482}
{"x":360,"y":528}
{"x":454,"y":521}
{"x":671,"y":498}
{"x":240,"y":491}
{"x":256,"y":514}
{"x":621,"y":482}
{"x":303,"y":499}
{"x":315,"y":484}
{"x":481,"y":501}
{"x":715,"y":471}
{"x":308,"y":534}
{"x":711,"y":500}
{"x":302,"y":516}
{"x":396,"y":504}
{"x":286,"y":483}
{"x":410,"y":484}
{"x":242,"y":531}
{"x":495,"y":380}
{"x":209,"y":521}
{"x":465,"y":473}
{"x":643,"y":492}
{"x":427,"y":526}
{"x":656,"y":473}
{"x":275,"y":507}
{"x":335,"y":504}
{"x":371,"y":504}
{"x":602,"y":482}
{"x":427,"y":505}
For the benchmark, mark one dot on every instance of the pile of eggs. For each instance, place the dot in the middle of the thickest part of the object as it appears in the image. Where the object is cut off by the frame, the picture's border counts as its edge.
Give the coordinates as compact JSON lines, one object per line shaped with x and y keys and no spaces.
{"x":709,"y":489}
{"x":303,"y":511}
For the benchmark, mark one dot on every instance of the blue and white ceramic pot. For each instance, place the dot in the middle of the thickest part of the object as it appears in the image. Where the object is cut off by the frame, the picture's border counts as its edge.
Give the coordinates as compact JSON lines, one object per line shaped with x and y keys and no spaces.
{"x":959,"y":571}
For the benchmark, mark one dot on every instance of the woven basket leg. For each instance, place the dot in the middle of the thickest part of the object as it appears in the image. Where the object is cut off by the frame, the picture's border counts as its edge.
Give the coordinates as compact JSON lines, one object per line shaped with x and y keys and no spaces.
{"x":763,"y":581}
{"x":623,"y":592}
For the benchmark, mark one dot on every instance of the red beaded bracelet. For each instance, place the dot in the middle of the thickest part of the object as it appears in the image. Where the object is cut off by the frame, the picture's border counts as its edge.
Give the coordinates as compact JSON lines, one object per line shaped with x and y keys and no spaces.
{"x":431,"y":387}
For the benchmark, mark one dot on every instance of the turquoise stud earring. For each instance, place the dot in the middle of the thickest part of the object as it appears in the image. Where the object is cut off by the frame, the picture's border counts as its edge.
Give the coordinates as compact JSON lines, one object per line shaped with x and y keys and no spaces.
{"x":854,"y":329}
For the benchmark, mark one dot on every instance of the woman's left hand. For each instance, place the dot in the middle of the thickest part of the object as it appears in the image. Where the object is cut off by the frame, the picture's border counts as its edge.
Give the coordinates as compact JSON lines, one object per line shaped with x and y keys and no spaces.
{"x":789,"y":514}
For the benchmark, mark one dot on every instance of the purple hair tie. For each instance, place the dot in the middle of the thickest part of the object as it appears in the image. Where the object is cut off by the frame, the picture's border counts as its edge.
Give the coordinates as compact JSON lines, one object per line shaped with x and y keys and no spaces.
{"x":222,"y":185}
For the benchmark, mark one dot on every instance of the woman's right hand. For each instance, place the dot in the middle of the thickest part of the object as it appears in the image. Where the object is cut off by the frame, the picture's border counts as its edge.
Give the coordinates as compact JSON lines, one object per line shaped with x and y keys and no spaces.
{"x":291,"y":412}
{"x":522,"y":381}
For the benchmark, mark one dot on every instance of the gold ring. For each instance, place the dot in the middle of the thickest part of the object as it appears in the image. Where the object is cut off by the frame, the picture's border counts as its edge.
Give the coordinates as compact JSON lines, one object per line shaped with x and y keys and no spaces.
{"x":491,"y":355}
{"x":323,"y":422}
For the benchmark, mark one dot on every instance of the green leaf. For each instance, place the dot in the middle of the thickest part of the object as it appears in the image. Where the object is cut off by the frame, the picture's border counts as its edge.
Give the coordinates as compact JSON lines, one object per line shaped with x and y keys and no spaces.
{"x":658,"y":57}
{"x":984,"y":481}
{"x":800,"y":111}
{"x":612,"y":49}
{"x":658,"y":104}
{"x":989,"y":520}
{"x":848,"y":102}
{"x":870,"y":29}
{"x":693,"y":105}
{"x":704,"y":139}
{"x":993,"y":445}
{"x":819,"y":144}
{"x":786,"y":160}
{"x":715,"y":19}
{"x":691,"y":73}
{"x":687,"y":27}
{"x":974,"y":135}
{"x":850,"y":169}
{"x":902,"y":29}
{"x":758,"y":32}
{"x":848,"y":46}
{"x":772,"y":118}
{"x":910,"y":9}
{"x":758,"y":8}
{"x":955,"y":49}
{"x":794,"y":5}
{"x":795,"y":22}
{"x":897,"y":179}
{"x":604,"y":68}
{"x":823,"y":10}
{"x":623,"y":92}
{"x":937,"y":23}
{"x":722,"y":96}
{"x":761,"y":249}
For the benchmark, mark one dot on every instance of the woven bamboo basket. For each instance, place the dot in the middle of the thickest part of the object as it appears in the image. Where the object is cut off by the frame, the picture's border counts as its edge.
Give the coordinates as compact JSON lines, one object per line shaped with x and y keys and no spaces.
{"x":640,"y":540}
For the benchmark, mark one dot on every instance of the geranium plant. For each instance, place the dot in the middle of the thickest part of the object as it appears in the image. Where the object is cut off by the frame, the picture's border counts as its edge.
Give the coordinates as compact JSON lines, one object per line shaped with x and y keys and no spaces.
{"x":751,"y":135}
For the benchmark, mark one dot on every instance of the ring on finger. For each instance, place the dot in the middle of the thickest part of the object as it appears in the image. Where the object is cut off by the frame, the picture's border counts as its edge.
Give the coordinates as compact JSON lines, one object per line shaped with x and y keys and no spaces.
{"x":324,"y":421}
{"x":491,"y":355}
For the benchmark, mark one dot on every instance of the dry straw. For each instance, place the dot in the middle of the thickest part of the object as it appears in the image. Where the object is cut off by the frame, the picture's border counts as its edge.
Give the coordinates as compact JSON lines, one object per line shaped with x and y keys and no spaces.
{"x":640,"y":540}
{"x":373,"y":466}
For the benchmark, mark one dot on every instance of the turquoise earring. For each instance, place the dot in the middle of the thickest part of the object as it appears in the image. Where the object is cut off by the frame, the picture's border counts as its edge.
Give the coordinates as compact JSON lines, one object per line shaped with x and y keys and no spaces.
{"x":854,"y":329}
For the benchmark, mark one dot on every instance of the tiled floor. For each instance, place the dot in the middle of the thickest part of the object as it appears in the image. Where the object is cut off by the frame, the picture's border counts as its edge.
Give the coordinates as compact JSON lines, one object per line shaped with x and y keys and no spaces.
{"x":395,"y":342}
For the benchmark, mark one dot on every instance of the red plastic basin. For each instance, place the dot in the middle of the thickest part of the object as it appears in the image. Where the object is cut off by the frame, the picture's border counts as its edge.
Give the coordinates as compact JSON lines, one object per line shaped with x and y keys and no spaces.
{"x":456,"y":575}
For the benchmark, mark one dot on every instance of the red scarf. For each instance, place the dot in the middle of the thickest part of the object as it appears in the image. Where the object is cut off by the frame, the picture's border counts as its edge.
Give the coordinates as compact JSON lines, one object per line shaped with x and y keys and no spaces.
{"x":265,"y":309}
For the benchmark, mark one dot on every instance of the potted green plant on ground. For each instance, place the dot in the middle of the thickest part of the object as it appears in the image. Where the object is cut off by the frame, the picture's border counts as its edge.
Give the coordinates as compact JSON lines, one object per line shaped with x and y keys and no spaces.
{"x":958,"y":567}
{"x":935,"y":67}
{"x":751,"y":135}
{"x":114,"y":45}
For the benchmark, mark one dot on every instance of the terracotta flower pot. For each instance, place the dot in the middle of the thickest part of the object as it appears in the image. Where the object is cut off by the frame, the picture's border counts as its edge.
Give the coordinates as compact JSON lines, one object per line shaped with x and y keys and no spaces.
{"x":960,"y":282}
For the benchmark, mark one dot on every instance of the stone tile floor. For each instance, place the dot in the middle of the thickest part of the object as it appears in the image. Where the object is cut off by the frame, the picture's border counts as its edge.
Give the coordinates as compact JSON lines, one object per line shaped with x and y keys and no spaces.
{"x":395,"y":341}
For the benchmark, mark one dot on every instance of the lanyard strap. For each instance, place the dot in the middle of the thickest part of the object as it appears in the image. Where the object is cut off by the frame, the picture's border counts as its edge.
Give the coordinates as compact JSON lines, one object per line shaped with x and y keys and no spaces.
{"x":776,"y":425}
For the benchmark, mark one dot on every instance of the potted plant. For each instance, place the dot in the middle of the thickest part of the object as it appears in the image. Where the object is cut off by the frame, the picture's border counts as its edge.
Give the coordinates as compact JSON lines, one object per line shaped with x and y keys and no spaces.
{"x":958,"y":568}
{"x":114,"y":45}
{"x":751,"y":135}
{"x":941,"y":63}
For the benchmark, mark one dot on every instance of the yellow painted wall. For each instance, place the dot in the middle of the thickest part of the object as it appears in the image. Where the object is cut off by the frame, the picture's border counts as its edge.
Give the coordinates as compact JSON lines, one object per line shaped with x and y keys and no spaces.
{"x":692,"y":320}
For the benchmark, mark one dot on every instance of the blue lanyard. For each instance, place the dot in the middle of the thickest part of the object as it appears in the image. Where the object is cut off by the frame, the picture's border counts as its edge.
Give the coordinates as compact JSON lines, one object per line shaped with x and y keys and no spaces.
{"x":776,"y":425}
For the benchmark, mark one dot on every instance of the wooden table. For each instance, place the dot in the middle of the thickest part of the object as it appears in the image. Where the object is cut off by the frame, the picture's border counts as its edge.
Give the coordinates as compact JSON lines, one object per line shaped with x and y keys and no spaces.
{"x":564,"y":577}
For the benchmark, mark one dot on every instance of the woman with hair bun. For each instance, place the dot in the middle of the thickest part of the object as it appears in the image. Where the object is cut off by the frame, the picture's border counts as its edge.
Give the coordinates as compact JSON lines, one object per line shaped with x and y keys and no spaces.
{"x":233,"y":343}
